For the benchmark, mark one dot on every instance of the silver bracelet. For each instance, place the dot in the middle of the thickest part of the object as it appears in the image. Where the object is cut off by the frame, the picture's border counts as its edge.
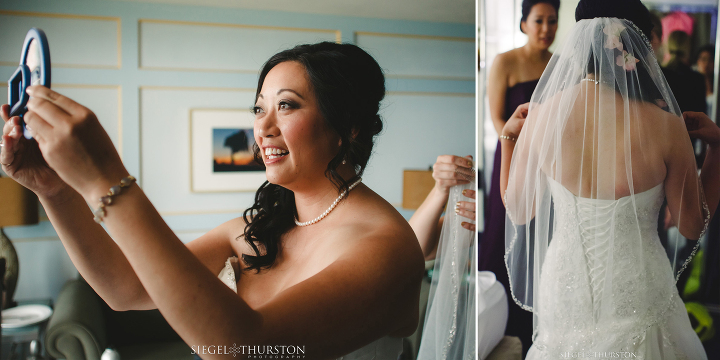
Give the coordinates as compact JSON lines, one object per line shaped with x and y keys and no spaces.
{"x":108,"y":199}
{"x":508,"y":138}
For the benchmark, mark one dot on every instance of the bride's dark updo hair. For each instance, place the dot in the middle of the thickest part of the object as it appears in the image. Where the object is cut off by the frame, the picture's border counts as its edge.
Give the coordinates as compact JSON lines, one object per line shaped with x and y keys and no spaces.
{"x":528,"y":4}
{"x":349,"y":86}
{"x":638,"y":14}
{"x":632,"y":10}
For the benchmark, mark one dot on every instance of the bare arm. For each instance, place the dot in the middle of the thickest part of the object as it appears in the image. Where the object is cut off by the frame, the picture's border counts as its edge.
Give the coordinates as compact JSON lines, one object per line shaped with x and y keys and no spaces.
{"x":682,"y":186}
{"x":426,"y":222}
{"x":101,"y":262}
{"x":96,"y":256}
{"x":496,"y":88}
{"x":94,"y":253}
{"x":513,"y":130}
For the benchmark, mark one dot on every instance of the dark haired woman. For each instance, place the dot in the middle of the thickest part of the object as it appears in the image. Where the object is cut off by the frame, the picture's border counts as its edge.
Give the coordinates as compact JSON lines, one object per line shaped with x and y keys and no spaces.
{"x":705,"y":64}
{"x":326,"y":264}
{"x":511,"y":81}
{"x":688,"y":85}
{"x":586,"y":167}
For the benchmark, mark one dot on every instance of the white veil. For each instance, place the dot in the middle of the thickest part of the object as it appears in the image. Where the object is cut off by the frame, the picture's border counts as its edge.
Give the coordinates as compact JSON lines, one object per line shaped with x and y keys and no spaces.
{"x":449,"y":331}
{"x":601,"y":127}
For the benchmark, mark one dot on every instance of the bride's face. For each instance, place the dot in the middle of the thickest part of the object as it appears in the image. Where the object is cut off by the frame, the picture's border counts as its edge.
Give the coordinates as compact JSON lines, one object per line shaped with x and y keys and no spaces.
{"x":295,"y":142}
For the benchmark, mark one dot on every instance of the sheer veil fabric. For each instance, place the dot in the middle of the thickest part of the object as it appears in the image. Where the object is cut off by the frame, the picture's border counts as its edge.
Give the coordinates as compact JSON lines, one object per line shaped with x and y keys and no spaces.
{"x":450,"y":323}
{"x":590,"y":170}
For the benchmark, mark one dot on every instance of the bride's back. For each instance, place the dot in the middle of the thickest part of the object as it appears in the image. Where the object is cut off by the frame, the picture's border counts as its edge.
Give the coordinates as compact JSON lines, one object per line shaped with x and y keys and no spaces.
{"x":611,"y":150}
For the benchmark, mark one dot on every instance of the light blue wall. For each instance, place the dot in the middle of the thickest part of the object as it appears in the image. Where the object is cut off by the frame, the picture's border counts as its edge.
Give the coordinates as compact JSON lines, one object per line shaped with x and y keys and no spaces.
{"x":142,"y":67}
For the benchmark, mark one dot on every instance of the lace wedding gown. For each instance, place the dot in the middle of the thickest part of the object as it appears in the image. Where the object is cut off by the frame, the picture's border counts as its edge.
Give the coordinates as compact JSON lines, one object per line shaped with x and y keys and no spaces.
{"x":644,"y":317}
{"x":386,"y":348}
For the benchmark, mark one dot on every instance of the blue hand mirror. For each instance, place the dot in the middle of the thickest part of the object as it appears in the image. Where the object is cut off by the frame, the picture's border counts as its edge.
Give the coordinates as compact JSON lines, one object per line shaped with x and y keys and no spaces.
{"x":34,"y":69}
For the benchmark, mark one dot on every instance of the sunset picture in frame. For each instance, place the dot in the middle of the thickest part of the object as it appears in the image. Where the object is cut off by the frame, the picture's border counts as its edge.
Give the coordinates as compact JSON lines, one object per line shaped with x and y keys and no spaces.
{"x":221,"y":158}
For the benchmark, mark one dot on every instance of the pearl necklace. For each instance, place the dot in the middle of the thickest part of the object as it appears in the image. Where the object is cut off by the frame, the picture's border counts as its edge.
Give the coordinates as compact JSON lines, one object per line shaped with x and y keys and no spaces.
{"x":334,"y":204}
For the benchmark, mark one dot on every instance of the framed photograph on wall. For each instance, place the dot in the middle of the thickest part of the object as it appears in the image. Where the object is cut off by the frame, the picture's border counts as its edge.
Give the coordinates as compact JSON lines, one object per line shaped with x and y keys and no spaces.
{"x":221,"y":157}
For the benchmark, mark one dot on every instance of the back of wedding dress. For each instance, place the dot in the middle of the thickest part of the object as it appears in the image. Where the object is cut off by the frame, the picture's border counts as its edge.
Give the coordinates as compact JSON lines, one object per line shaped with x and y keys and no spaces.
{"x":589,"y":175}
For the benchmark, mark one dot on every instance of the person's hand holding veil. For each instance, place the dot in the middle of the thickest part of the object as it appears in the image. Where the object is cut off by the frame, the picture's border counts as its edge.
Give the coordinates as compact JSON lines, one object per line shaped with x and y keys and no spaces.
{"x":700,"y":126}
{"x":451,"y":170}
{"x":514,"y":125}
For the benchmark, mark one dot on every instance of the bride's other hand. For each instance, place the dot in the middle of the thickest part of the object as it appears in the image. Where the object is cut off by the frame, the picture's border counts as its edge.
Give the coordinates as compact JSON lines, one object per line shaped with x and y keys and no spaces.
{"x":514,"y":125}
{"x":22,"y":161}
{"x":73,"y":143}
{"x":699,"y":126}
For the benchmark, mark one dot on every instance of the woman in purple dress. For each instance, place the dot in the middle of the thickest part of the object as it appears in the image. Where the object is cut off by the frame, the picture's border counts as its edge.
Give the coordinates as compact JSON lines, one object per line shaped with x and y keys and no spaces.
{"x":511,"y":82}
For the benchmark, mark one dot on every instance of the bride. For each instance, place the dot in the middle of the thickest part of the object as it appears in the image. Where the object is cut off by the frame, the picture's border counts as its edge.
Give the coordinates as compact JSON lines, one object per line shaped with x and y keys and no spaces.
{"x":319,"y":261}
{"x":586,"y":166}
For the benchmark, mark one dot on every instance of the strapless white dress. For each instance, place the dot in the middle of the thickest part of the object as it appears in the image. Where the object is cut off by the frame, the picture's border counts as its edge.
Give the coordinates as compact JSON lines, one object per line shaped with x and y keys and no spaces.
{"x":645,"y":315}
{"x":386,"y":348}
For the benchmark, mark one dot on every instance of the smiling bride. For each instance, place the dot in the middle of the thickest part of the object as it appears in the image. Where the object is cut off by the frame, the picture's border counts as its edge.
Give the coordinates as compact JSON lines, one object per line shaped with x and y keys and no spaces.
{"x":319,"y":260}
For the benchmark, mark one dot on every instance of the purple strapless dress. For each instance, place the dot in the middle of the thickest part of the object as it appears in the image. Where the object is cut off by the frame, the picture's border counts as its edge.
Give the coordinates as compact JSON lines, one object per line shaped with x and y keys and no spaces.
{"x":492,"y":241}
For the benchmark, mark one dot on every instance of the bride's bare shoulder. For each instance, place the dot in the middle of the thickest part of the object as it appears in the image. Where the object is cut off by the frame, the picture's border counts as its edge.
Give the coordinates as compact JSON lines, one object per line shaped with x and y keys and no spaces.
{"x":372,"y":223}
{"x":233,"y":232}
{"x":660,"y":122}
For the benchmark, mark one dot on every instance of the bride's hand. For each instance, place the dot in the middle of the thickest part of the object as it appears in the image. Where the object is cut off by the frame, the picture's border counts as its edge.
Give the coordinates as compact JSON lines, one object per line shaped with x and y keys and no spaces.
{"x":22,"y":161}
{"x":514,"y":125}
{"x":73,"y":143}
{"x":699,"y":126}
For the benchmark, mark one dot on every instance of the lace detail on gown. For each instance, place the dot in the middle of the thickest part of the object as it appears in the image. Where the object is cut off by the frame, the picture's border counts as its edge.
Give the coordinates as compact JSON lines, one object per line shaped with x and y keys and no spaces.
{"x":633,"y":307}
{"x":227,"y":274}
{"x":385,"y":348}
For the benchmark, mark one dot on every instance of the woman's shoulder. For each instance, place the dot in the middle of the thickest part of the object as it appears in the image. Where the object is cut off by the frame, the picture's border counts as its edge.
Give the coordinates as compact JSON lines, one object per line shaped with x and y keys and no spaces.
{"x":660,"y":121}
{"x":506,"y":61}
{"x":233,"y":231}
{"x":379,"y":214}
{"x":666,"y":130}
{"x":510,"y":55}
{"x":375,"y":225}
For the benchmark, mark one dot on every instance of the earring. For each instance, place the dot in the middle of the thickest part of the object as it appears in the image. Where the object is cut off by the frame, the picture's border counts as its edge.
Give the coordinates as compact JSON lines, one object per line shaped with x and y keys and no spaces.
{"x":344,"y":162}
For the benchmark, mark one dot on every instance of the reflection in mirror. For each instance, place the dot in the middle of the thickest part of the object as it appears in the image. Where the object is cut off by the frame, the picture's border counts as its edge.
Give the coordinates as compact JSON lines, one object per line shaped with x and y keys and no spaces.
{"x":33,"y":61}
